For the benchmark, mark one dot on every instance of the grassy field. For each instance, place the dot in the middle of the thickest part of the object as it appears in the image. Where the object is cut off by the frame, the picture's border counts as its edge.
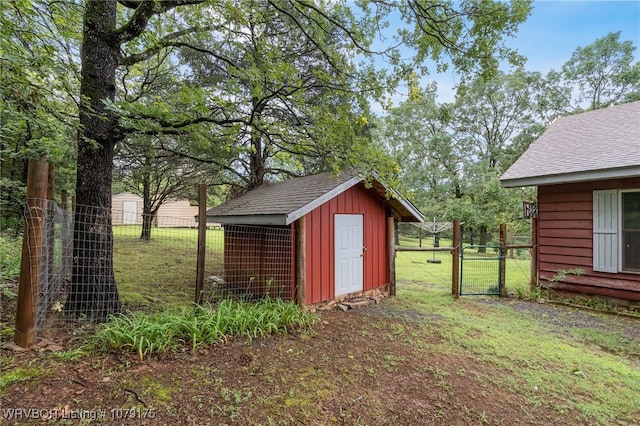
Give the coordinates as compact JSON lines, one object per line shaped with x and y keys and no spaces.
{"x":543,"y":353}
{"x":414,"y":267}
{"x":161,"y":272}
{"x":164,"y":268}
{"x":419,"y":357}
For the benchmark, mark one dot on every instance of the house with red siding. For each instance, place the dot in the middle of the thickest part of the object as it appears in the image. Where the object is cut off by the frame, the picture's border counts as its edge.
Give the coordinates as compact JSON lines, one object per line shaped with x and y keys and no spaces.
{"x":586,"y":168}
{"x":321,"y":236}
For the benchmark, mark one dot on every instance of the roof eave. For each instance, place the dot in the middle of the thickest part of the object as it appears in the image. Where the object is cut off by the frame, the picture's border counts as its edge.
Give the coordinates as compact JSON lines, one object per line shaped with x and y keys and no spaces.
{"x":257,"y":219}
{"x":414,"y":215}
{"x":584,"y":176}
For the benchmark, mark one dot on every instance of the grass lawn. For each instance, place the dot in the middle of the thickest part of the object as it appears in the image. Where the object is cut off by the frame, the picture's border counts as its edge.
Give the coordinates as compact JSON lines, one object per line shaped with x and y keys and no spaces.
{"x":418,"y":358}
{"x":414,"y":267}
{"x":584,"y":362}
{"x":161,"y":272}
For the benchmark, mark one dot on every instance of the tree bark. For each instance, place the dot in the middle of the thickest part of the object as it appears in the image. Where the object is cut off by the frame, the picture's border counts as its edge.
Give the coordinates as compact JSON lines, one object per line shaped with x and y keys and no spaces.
{"x":483,"y":239}
{"x":93,"y":292}
{"x":148,"y":216}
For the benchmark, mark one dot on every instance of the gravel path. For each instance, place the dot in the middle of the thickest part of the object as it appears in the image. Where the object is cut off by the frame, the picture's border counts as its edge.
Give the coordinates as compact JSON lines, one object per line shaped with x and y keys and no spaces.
{"x":567,"y":320}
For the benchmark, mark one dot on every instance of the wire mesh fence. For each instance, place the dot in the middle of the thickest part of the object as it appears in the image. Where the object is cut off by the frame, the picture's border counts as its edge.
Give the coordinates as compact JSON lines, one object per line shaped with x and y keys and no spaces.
{"x":480,"y":270}
{"x":83,"y":268}
{"x":419,"y":267}
{"x":249,"y":263}
{"x":48,"y":252}
{"x":434,"y":268}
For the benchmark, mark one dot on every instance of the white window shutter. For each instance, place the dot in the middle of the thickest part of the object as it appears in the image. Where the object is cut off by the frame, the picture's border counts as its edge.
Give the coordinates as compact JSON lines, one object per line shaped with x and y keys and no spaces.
{"x":605,"y":231}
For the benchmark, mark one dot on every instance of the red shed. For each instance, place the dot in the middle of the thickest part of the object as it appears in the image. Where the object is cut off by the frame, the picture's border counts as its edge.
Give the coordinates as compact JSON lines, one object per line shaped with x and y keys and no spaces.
{"x":317,"y":237}
{"x":587,"y":170}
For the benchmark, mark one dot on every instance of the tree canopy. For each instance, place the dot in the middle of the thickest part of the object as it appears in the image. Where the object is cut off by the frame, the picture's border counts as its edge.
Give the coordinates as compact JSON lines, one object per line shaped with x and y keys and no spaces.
{"x":251,"y":91}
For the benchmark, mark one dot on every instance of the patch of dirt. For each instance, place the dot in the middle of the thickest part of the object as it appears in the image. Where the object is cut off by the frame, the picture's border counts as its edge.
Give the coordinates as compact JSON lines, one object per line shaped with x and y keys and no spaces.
{"x":361,"y":367}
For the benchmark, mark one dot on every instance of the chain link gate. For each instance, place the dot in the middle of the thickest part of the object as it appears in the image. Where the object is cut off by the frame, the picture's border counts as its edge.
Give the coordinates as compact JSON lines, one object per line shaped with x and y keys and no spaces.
{"x":481,"y":273}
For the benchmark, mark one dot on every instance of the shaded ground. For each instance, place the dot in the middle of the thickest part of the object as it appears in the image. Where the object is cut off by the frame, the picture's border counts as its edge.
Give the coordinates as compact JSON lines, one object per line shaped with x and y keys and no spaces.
{"x":376,"y":365}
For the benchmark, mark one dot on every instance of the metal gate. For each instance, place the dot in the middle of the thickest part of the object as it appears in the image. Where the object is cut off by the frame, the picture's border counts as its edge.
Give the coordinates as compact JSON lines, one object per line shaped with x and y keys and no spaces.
{"x":481,"y":273}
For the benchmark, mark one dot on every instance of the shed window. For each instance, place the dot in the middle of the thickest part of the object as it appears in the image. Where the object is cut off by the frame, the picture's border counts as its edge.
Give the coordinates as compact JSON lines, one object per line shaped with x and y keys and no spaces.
{"x":631,"y":231}
{"x":616,"y":231}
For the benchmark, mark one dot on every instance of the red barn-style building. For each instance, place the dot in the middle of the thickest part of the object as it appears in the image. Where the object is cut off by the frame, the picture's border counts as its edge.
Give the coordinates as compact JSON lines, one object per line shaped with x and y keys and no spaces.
{"x":587,"y":171}
{"x":319,"y":237}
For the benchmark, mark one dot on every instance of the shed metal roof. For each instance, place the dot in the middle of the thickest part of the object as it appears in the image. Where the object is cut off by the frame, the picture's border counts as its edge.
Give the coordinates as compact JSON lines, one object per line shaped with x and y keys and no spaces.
{"x":594,"y":145}
{"x":282,"y":203}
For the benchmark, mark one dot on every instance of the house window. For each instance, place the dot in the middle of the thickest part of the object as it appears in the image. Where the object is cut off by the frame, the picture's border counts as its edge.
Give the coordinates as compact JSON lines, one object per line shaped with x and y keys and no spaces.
{"x":616,"y":231}
{"x":630,"y":231}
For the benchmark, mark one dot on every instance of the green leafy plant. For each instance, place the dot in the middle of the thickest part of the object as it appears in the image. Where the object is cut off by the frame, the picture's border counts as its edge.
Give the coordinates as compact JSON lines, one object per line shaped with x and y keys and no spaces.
{"x":148,"y":334}
{"x":20,"y":375}
{"x":562,"y":273}
{"x":10,"y":255}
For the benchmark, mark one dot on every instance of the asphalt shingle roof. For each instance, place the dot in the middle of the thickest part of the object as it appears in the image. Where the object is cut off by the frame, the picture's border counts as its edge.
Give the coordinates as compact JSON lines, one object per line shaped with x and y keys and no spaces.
{"x":280,"y":197}
{"x":285,"y":201}
{"x":575,"y":147}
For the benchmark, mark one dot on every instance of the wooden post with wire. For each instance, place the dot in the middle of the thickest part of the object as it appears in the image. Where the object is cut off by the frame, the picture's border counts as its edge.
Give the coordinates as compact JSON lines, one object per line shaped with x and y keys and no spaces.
{"x":49,"y":272}
{"x":301,"y":262}
{"x":391,"y":244}
{"x":455,"y":261}
{"x":67,"y":243}
{"x":202,"y":241}
{"x":533,"y":281}
{"x":503,"y":259}
{"x":37,"y":181}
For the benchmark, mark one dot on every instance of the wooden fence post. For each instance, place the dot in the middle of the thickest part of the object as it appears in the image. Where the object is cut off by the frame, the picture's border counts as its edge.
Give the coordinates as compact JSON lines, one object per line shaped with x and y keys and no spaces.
{"x":48,"y":279}
{"x":510,"y":237}
{"x":391,"y":242}
{"x":202,"y":241}
{"x":455,"y":261}
{"x":533,"y":281}
{"x":67,"y":242}
{"x":503,"y":259}
{"x":301,"y":262}
{"x":37,"y":180}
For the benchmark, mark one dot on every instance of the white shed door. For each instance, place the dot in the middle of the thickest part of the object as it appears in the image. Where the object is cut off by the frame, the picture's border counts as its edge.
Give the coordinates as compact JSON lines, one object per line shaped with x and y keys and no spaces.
{"x":129,"y":212}
{"x":348,"y":253}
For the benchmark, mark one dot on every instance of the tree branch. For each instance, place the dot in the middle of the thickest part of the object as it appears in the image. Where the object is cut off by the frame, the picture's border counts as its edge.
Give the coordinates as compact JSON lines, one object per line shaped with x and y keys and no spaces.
{"x":174,"y":127}
{"x":143,"y":12}
{"x":164,"y":42}
{"x":131,"y":4}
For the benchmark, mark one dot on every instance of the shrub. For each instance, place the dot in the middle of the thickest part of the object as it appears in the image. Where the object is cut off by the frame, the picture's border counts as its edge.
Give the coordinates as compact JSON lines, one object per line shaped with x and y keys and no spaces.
{"x":167,"y":331}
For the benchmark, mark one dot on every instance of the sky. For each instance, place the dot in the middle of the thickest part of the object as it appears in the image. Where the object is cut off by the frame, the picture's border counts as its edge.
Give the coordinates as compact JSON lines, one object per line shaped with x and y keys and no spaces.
{"x":554,"y":30}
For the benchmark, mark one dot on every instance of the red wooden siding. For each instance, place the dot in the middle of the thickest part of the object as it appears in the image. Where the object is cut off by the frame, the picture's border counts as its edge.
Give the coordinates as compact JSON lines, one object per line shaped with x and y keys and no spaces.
{"x":320,"y":242}
{"x":259,"y":260}
{"x":565,"y":239}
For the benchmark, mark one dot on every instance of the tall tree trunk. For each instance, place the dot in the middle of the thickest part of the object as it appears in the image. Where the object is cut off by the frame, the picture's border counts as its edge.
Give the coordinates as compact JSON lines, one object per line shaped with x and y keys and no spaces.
{"x":147,"y":213}
{"x":93,"y":292}
{"x":257,"y":157}
{"x":147,"y":223}
{"x":483,"y":239}
{"x":256,"y":162}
